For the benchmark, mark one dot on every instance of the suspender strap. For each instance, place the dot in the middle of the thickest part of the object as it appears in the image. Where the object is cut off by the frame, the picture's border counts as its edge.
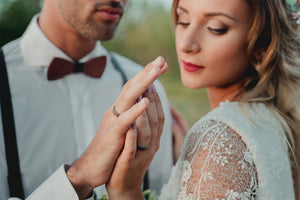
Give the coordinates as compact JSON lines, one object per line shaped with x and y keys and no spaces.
{"x":118,"y":68}
{"x":12,"y":157}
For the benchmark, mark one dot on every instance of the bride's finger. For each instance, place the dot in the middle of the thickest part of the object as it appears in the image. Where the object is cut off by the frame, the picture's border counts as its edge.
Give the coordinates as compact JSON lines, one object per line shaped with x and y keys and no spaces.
{"x":129,"y":151}
{"x":152,"y":115}
{"x":155,"y":139}
{"x":143,"y":130}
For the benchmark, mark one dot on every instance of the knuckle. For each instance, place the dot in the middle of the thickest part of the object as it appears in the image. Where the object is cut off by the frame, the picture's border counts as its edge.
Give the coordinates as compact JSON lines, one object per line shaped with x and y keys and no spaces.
{"x":156,"y":147}
{"x":147,"y":137}
{"x":153,"y":151}
{"x":161,"y":118}
{"x":125,"y":96}
{"x":121,"y":122}
{"x":155,"y":122}
{"x":131,"y":153}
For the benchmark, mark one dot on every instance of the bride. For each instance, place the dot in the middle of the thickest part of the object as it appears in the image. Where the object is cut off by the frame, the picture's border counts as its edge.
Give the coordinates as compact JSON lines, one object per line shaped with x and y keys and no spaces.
{"x":246,"y":53}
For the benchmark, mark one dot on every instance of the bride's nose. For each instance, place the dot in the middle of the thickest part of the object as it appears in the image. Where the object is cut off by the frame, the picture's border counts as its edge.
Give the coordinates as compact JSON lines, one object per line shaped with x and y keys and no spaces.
{"x":188,"y":41}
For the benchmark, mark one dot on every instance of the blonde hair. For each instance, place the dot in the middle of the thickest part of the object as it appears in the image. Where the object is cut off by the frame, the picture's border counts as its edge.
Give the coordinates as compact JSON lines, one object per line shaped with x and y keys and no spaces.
{"x":273,"y":77}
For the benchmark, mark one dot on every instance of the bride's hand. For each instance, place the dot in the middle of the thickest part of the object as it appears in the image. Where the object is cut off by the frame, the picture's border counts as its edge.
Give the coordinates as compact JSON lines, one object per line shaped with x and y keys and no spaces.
{"x":141,"y":144}
{"x":95,"y":166}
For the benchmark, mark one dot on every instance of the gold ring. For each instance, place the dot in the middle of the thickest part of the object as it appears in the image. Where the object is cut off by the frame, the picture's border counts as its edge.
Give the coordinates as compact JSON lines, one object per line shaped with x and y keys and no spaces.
{"x":115,"y":112}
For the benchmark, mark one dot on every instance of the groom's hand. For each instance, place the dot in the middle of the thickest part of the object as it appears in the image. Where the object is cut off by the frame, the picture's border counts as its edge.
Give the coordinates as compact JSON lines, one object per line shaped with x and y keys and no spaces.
{"x":95,"y":166}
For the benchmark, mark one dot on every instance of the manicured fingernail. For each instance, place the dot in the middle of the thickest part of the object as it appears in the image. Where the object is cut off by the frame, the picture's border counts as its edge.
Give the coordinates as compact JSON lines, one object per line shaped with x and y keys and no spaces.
{"x":157,"y":60}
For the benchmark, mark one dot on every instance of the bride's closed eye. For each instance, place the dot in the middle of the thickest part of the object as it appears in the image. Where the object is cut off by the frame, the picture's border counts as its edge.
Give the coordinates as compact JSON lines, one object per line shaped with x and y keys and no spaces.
{"x":183,"y":18}
{"x":184,"y":24}
{"x":218,"y":31}
{"x":216,"y":27}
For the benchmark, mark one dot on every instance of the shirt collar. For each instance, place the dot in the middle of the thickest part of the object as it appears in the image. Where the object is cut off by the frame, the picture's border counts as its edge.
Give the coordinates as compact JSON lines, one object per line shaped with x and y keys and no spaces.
{"x":38,"y":50}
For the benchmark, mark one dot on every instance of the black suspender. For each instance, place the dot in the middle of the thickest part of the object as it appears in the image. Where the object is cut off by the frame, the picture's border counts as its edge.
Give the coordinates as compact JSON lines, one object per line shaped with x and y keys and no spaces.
{"x":12,"y":156}
{"x":118,"y":67}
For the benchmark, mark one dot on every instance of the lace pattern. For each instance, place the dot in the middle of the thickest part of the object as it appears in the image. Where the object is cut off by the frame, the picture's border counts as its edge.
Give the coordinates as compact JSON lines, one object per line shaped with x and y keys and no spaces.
{"x":217,"y":166}
{"x":230,"y":155}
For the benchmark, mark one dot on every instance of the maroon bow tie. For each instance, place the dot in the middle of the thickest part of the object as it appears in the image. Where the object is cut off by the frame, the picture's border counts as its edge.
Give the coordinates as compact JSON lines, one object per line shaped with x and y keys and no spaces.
{"x":60,"y":67}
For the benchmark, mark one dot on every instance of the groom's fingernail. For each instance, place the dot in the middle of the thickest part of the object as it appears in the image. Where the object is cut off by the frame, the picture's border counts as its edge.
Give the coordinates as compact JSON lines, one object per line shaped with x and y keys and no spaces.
{"x":154,"y":70}
{"x":157,"y":60}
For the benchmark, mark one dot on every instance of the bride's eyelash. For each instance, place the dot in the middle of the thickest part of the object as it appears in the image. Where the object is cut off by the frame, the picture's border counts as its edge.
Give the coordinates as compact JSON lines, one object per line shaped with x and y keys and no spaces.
{"x":218,"y":31}
{"x":182,"y":24}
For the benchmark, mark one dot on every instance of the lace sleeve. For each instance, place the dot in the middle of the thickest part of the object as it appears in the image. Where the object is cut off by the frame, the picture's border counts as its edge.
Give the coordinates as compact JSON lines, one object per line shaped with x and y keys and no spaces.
{"x":217,"y":165}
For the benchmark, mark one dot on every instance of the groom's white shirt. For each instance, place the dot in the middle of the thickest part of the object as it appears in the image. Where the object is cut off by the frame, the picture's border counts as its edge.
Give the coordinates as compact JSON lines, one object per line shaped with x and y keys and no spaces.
{"x":56,"y":120}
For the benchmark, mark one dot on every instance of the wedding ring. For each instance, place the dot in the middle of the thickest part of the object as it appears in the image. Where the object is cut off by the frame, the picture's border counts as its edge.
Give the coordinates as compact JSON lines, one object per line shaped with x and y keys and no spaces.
{"x":115,"y":112}
{"x":142,"y":148}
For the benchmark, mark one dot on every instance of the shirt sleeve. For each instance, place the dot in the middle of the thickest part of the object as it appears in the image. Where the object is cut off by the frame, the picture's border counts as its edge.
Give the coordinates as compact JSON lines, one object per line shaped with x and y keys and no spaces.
{"x":57,"y":186}
{"x":218,"y":166}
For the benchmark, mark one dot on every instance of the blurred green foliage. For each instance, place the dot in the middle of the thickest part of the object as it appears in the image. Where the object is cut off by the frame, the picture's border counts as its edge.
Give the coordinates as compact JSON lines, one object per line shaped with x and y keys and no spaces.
{"x":148,"y":37}
{"x":145,"y":32}
{"x":14,"y":18}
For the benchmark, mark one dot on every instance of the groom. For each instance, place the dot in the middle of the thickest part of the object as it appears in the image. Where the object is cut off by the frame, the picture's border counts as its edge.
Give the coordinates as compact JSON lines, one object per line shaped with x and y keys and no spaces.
{"x":56,"y":118}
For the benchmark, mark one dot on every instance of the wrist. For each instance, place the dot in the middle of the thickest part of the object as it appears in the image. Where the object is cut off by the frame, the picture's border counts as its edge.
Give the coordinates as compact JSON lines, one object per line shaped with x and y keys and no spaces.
{"x":125,"y":195}
{"x":82,"y":188}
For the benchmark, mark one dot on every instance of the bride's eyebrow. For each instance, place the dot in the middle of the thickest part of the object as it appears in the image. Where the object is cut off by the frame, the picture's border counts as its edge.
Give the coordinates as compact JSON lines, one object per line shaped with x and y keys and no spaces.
{"x":182,"y":9}
{"x":213,"y":14}
{"x":210,"y":14}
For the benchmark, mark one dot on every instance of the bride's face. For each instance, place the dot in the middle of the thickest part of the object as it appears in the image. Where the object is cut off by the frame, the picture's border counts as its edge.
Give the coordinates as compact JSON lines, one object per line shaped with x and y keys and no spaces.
{"x":211,"y":42}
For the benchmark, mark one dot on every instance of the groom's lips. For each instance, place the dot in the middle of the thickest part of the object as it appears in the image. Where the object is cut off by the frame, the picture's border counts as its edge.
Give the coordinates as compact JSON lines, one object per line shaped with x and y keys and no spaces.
{"x":111,"y":14}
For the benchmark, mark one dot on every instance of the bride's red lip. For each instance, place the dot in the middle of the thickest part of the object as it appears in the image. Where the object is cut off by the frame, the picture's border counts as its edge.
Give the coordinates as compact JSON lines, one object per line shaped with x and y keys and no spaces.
{"x":190,"y":67}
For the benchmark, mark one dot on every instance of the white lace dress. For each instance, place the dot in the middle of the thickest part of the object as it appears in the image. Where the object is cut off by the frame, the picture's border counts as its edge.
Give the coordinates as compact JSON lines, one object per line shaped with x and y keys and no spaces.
{"x":233,"y":153}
